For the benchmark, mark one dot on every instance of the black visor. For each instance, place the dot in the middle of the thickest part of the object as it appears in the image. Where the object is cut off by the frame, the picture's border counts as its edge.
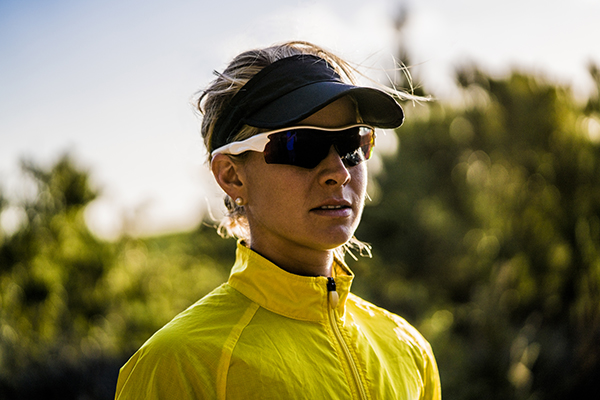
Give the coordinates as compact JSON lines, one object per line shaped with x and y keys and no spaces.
{"x":293,"y":88}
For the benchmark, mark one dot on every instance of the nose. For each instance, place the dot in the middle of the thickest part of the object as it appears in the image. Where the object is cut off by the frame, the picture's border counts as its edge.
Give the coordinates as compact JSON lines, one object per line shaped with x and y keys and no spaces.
{"x":333,"y":171}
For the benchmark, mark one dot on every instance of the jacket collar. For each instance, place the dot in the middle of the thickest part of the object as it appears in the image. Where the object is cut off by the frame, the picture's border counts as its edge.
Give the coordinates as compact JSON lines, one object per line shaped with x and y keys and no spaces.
{"x":293,"y":296}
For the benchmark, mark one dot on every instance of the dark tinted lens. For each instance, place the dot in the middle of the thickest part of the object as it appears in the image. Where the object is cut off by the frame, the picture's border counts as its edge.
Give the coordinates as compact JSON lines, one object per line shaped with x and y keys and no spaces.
{"x":300,"y":147}
{"x":357,"y":146}
{"x":308,"y":147}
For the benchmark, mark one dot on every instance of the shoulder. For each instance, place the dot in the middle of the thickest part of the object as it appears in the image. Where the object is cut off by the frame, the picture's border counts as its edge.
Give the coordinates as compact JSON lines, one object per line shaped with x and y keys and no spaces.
{"x":182,"y":357}
{"x":202,"y":326}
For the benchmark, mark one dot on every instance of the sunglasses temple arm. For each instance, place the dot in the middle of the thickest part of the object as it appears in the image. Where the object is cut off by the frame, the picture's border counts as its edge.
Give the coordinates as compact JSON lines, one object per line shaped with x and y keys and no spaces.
{"x":254,"y":143}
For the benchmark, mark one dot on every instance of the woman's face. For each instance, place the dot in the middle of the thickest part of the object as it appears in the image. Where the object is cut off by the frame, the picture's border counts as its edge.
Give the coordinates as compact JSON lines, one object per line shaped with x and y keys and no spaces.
{"x":293,"y":210}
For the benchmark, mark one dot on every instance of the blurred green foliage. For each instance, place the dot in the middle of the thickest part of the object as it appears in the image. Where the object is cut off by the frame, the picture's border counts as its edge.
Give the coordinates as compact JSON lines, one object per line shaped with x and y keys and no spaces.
{"x":73,"y":307}
{"x":486,"y":236}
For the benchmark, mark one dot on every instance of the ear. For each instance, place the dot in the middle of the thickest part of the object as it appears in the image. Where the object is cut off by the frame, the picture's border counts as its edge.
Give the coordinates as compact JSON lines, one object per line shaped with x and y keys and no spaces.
{"x":227,"y":173}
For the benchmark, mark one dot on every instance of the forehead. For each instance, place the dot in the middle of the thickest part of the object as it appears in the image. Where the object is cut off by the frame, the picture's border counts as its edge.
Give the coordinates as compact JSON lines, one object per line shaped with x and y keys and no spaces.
{"x":339,"y":113}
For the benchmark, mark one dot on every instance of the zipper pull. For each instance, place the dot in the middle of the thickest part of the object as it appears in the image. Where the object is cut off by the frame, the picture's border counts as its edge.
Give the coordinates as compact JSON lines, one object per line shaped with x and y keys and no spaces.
{"x":332,"y":294}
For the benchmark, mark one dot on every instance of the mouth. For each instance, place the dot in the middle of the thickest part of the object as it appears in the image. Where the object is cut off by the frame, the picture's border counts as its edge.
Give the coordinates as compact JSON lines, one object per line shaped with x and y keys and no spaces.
{"x":334,"y":209}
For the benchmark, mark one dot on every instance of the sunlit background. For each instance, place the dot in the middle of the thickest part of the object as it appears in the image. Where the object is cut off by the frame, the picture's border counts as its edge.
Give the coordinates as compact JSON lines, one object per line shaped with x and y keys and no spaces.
{"x":111,"y":81}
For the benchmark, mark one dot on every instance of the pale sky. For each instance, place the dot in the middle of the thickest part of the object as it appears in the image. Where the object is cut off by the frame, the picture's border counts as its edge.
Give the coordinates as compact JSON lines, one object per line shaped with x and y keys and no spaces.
{"x":111,"y":80}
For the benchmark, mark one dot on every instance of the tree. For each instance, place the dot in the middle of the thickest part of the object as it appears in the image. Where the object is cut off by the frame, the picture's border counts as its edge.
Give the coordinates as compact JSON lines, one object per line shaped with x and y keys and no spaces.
{"x":74,"y":307}
{"x":487,"y":236}
{"x":51,"y":271}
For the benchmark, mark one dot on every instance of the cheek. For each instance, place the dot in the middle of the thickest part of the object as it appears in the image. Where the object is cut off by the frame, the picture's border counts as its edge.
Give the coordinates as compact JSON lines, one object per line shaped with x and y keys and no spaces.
{"x":272,"y":194}
{"x":272,"y":191}
{"x":359,"y":179}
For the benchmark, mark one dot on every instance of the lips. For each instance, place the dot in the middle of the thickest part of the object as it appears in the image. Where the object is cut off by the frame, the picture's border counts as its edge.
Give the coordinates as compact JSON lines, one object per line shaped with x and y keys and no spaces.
{"x":337,"y":208}
{"x":331,"y":207}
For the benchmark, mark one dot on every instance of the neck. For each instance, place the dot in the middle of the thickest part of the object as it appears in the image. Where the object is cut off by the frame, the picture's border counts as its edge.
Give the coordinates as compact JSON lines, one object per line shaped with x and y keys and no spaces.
{"x":305,"y":262}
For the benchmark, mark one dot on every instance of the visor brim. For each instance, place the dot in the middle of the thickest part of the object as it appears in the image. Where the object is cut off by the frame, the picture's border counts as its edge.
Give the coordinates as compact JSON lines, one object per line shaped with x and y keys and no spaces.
{"x":376,"y":108}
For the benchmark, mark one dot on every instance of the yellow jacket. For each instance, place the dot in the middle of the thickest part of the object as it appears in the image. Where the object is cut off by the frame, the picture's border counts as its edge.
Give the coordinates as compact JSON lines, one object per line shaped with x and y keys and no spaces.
{"x":269,"y":334}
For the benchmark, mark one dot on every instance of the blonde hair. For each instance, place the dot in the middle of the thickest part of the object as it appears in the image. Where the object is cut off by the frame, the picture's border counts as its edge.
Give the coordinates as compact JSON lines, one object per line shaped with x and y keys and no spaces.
{"x":212,"y":101}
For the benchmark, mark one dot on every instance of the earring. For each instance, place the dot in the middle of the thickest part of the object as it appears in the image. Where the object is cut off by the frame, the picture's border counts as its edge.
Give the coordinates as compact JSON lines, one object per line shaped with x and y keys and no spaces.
{"x":239,"y":201}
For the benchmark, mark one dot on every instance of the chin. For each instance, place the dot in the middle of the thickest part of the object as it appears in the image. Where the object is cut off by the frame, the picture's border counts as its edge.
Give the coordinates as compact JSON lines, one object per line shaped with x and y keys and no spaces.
{"x":332,"y":242}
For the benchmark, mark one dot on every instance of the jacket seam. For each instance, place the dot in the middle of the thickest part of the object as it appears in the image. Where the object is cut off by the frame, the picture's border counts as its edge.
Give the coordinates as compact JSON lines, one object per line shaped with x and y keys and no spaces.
{"x":229,"y":346}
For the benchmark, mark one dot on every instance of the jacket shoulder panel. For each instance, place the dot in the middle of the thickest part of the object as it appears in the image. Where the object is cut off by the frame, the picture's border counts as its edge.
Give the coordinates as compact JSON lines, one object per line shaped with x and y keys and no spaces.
{"x":183,"y":359}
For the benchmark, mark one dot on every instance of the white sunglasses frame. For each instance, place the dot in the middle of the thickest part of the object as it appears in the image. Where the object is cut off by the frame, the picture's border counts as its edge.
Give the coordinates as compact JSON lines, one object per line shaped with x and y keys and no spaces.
{"x":259,"y":142}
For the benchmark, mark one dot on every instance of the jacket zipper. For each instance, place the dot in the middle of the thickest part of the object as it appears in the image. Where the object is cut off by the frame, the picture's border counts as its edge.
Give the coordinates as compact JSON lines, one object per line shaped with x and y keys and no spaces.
{"x":333,"y":302}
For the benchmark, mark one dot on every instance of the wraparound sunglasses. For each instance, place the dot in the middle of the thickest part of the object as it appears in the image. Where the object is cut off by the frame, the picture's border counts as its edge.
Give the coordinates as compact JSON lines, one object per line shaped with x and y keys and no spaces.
{"x":306,"y":147}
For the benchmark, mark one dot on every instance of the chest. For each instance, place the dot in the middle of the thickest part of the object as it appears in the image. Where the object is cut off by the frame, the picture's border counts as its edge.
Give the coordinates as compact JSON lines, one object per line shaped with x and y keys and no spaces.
{"x":338,"y":358}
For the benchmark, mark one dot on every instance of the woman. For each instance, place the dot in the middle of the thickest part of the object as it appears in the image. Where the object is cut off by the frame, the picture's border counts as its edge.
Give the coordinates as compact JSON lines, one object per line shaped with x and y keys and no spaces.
{"x":287,"y":139}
